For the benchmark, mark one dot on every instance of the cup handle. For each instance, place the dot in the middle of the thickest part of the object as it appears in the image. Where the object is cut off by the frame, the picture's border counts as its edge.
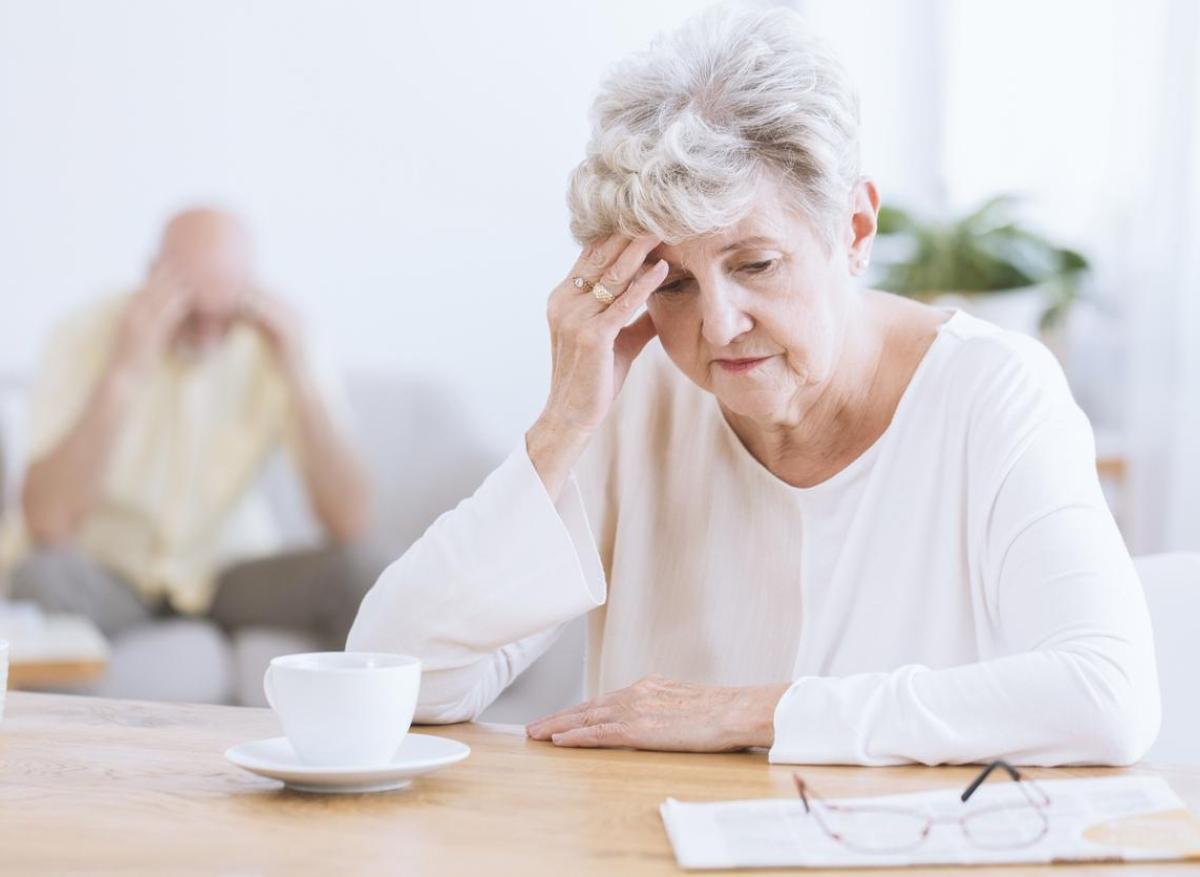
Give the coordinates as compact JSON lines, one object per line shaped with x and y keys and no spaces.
{"x":267,"y":687}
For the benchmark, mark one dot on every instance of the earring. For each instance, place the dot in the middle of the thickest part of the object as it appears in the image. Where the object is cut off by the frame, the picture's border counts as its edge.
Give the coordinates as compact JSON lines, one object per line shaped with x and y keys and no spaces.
{"x":862,"y":263}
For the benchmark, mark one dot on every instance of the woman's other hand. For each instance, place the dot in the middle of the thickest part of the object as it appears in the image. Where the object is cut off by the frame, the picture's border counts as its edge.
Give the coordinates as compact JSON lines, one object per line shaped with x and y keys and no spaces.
{"x":665,"y":715}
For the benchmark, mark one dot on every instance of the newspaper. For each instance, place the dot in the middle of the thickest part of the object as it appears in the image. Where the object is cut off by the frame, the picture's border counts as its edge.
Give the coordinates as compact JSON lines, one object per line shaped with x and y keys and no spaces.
{"x":1123,"y":818}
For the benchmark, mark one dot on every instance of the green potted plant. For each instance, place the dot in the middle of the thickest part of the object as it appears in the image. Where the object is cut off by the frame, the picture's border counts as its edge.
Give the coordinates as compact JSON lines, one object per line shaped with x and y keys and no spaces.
{"x":984,"y":262}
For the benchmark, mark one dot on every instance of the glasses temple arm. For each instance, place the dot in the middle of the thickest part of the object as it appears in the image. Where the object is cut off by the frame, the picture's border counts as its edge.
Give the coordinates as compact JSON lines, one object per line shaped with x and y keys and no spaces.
{"x":801,"y":787}
{"x":978,"y":781}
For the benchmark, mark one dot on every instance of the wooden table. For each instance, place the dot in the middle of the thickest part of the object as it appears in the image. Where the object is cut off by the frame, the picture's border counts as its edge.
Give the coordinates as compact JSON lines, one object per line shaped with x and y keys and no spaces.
{"x":49,"y":674}
{"x":95,"y":786}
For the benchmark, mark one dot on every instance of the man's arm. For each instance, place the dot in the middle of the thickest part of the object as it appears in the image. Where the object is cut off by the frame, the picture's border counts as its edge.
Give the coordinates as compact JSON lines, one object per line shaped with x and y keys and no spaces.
{"x":333,"y":475}
{"x":63,"y":484}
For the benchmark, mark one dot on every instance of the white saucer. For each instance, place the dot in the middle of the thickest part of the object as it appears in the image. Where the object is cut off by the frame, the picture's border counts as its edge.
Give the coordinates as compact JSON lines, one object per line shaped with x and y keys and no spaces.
{"x":275,"y":758}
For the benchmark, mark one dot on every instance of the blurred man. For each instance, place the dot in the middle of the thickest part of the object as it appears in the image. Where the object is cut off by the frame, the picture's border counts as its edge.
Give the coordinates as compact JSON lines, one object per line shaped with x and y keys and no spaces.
{"x":153,"y":419}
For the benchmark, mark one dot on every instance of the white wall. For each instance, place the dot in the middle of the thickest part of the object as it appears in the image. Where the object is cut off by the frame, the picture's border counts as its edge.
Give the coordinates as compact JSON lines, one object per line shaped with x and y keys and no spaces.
{"x":403,"y":164}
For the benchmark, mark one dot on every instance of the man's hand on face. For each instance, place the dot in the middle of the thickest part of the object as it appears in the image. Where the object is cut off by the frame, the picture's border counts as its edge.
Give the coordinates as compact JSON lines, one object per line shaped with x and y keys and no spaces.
{"x":152,"y":320}
{"x":278,"y":324}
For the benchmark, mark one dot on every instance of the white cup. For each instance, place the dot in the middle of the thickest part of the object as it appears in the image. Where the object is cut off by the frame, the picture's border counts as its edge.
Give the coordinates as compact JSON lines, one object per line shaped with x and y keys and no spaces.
{"x":344,"y":709}
{"x":3,"y":674}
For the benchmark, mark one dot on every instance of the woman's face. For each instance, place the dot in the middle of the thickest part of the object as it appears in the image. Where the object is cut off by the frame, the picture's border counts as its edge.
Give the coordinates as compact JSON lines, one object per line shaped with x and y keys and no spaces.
{"x":754,"y":314}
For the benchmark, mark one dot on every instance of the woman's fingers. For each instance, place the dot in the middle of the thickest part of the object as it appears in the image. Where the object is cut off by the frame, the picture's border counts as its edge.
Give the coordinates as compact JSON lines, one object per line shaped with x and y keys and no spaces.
{"x":621,"y":272}
{"x":575,"y":708}
{"x":613,"y":263}
{"x":653,"y":713}
{"x":587,"y":706}
{"x":596,"y":257}
{"x":621,"y":311}
{"x":625,"y":275}
{"x":606,"y":735}
{"x":544,"y":729}
{"x":571,"y":303}
{"x":534,"y":728}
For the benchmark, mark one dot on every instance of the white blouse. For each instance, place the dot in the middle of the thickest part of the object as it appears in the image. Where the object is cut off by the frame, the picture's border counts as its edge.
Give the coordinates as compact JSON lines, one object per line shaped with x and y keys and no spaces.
{"x":958,"y":593}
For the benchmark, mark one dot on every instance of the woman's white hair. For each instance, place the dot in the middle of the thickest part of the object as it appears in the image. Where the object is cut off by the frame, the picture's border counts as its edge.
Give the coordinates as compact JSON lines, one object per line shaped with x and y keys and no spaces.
{"x":683,"y":132}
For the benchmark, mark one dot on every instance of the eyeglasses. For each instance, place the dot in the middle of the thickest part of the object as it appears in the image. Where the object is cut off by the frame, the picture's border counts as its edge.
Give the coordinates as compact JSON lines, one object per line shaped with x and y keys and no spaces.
{"x":891,"y":829}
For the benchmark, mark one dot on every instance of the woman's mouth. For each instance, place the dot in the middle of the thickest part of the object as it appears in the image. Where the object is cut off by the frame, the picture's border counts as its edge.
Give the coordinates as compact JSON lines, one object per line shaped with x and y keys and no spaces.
{"x":741,"y":366}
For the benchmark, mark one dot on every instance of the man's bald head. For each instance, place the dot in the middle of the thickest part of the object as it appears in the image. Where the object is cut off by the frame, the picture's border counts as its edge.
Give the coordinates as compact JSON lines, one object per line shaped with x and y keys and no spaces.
{"x":211,"y":253}
{"x":206,"y":229}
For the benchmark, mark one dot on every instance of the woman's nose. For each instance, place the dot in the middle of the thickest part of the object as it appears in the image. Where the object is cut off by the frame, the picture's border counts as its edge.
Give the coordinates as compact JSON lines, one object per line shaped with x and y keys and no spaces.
{"x":722,"y":317}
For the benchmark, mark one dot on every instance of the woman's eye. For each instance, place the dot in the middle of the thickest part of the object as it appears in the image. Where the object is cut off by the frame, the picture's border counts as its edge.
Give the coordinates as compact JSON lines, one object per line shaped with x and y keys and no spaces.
{"x":758,"y":267}
{"x":670,"y":288}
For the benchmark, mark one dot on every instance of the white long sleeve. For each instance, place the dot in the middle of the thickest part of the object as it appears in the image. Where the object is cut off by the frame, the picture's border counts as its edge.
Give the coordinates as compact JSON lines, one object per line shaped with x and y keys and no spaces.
{"x":484,"y":591}
{"x":1079,"y":684}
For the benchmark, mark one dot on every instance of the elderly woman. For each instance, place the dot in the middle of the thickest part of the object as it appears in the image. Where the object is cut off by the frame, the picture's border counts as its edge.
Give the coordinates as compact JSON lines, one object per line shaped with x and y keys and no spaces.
{"x":829,"y":521}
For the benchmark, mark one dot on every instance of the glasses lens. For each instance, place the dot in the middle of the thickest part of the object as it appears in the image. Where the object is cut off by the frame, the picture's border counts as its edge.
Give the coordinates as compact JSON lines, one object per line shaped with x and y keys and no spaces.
{"x":999,"y":828}
{"x":874,"y":830}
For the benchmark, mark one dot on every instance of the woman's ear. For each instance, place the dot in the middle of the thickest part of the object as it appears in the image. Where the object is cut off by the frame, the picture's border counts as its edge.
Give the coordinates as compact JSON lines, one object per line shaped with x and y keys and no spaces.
{"x":864,"y":221}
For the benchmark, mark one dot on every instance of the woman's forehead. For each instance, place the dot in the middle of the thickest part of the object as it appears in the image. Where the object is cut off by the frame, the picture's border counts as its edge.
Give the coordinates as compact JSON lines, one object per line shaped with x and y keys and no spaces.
{"x":767,"y":226}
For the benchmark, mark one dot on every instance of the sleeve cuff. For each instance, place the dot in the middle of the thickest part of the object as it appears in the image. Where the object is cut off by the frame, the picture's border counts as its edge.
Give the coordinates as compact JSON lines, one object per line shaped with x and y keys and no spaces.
{"x":506,"y":564}
{"x":783,"y":750}
{"x":573,"y":515}
{"x":841,"y":720}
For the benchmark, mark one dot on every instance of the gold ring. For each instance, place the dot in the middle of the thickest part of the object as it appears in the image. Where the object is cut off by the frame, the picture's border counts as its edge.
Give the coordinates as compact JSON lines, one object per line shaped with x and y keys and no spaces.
{"x":601,"y":294}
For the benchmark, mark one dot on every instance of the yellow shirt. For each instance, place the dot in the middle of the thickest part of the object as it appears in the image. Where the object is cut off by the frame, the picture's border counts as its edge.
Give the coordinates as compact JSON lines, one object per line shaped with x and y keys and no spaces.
{"x":179,"y":500}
